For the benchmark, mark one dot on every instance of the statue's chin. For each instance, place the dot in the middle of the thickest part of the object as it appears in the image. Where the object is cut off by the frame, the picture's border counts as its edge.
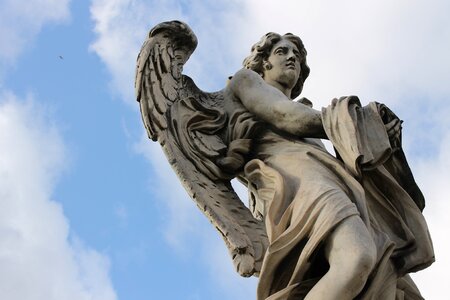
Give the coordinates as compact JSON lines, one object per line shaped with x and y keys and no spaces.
{"x":289,"y":78}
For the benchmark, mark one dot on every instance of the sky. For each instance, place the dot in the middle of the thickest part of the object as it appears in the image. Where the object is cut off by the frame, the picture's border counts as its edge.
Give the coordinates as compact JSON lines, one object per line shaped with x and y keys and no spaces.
{"x":89,"y":207}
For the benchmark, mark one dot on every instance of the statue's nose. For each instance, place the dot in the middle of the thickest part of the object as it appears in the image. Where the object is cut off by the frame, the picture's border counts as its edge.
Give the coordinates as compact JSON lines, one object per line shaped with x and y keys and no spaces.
{"x":291,"y":56}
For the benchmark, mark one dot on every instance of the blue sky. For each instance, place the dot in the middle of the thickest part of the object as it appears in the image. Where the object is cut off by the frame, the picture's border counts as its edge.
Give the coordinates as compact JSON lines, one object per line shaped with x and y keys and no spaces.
{"x":90,"y":209}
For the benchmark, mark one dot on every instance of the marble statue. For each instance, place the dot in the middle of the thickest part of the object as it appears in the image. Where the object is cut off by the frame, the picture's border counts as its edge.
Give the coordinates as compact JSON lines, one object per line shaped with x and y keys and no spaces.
{"x":317,"y":226}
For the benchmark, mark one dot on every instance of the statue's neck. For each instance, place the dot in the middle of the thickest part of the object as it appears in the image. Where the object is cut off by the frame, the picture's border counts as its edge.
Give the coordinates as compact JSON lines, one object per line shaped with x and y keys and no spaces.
{"x":284,"y":89}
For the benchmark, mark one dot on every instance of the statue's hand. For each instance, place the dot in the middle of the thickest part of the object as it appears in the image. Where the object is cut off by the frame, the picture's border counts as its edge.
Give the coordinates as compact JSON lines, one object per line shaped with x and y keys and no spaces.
{"x":244,"y":264}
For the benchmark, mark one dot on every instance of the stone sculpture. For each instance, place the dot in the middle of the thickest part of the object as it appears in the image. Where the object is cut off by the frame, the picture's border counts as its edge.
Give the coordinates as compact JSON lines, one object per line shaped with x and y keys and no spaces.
{"x":317,"y":226}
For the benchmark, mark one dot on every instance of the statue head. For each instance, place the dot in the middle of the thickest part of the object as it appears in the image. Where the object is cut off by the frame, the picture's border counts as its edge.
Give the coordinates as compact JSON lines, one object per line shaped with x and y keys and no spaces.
{"x":258,"y":60}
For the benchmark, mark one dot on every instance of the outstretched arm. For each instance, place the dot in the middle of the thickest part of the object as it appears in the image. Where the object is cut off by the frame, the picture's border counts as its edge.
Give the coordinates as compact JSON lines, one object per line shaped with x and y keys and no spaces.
{"x":271,"y":105}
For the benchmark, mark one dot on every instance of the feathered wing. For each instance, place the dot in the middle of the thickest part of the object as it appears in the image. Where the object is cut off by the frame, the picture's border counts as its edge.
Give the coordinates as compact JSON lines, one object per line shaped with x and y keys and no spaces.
{"x":192,"y":128}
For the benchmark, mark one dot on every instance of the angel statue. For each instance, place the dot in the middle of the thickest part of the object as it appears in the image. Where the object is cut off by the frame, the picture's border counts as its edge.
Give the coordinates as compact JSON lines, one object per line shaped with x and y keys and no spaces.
{"x":318,"y":226}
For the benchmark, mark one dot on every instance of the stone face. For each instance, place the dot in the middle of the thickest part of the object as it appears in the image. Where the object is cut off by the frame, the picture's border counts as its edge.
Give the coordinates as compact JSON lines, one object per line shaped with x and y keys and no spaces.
{"x":317,"y":226}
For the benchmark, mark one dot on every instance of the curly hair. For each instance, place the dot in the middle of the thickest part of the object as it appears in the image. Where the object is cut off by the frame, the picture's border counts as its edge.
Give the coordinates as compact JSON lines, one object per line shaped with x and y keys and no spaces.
{"x":260,"y":52}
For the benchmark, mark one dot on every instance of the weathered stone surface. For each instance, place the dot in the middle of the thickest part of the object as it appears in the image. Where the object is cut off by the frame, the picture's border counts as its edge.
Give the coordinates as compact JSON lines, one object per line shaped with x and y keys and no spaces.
{"x":317,"y":226}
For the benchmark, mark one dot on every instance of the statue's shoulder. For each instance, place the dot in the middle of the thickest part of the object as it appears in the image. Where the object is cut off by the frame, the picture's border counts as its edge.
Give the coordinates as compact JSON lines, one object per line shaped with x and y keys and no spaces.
{"x":244,"y":78}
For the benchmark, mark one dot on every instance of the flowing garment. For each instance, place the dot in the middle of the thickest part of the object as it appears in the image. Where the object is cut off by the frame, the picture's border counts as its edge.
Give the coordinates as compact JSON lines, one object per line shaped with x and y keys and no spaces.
{"x":302,"y":192}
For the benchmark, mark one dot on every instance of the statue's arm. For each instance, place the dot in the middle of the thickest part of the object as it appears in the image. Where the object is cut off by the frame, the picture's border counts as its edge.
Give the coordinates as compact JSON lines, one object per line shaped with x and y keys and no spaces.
{"x":271,"y":105}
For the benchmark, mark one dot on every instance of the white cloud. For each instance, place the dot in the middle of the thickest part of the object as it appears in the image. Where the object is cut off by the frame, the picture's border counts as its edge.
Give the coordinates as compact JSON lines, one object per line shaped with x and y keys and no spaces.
{"x":218,"y":261}
{"x":185,"y":226}
{"x":121,"y":27}
{"x":38,"y":258}
{"x":391,"y":51}
{"x":180,"y":214}
{"x":21,"y":21}
{"x":433,"y":173}
{"x":378,"y":50}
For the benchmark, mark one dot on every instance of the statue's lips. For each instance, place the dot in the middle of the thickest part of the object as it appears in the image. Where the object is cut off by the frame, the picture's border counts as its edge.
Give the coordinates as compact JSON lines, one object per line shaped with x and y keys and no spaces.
{"x":291,"y":65}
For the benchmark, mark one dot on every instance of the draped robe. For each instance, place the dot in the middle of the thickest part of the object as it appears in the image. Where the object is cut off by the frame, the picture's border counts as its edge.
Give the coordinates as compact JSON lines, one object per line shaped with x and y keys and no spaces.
{"x":302,"y":192}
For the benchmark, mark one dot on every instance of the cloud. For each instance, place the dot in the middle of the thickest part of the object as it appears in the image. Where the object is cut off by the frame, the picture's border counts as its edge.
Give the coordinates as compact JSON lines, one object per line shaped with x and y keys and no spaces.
{"x":218,"y":262}
{"x":182,"y":217}
{"x":21,"y":21}
{"x":120,"y":28}
{"x":122,"y":25}
{"x":378,"y":50}
{"x":393,"y":52}
{"x":40,"y":257}
{"x":433,"y":173}
{"x":119,"y":24}
{"x":185,"y":226}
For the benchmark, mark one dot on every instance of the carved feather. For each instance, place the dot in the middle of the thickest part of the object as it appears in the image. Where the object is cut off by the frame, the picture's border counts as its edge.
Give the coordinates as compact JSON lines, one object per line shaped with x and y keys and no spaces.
{"x":191,"y":126}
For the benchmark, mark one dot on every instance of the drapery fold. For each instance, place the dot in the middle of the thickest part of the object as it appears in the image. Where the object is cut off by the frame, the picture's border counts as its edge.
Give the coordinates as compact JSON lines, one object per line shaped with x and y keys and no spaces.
{"x":303,"y":193}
